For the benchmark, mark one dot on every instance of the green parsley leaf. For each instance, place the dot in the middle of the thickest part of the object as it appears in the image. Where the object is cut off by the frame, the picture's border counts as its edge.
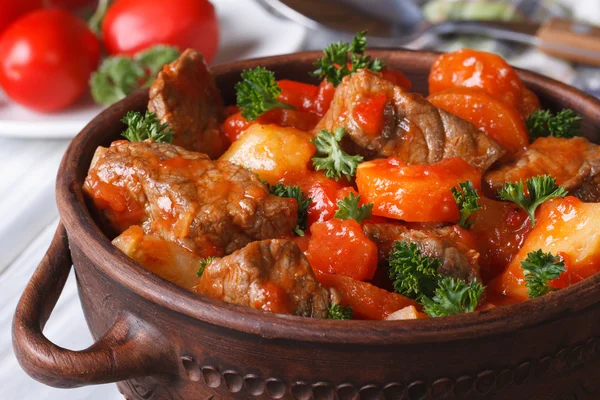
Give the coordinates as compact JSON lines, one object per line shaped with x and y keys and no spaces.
{"x":453,"y":297}
{"x":333,"y":65}
{"x":540,"y":188}
{"x":564,"y":124}
{"x":257,"y":93}
{"x":348,"y":208}
{"x":115,"y":79}
{"x":337,"y":311}
{"x":331,"y":157}
{"x":154,"y":59}
{"x":140,"y":128}
{"x":119,"y":76}
{"x":203,"y":264}
{"x":294,"y":192}
{"x":539,"y":268}
{"x":413,"y":274}
{"x":467,"y":201}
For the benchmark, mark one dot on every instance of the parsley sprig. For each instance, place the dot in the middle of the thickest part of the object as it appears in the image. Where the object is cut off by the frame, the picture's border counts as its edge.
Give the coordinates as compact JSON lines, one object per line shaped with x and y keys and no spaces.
{"x":540,"y":188}
{"x":141,"y":127}
{"x":539,"y":269}
{"x":453,"y":297}
{"x":204,"y":263}
{"x":257,"y":93}
{"x":294,"y":192}
{"x":337,"y":311}
{"x":333,"y":65}
{"x":348,"y":208}
{"x":416,"y":276}
{"x":330,"y":156}
{"x":563,"y":124}
{"x":467,"y":201}
{"x":413,"y":274}
{"x":120,"y":75}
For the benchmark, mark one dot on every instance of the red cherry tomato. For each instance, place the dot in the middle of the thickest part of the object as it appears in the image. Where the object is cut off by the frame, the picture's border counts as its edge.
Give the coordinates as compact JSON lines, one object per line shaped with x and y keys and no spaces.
{"x":46,"y":59}
{"x":11,"y":10}
{"x":133,"y":25}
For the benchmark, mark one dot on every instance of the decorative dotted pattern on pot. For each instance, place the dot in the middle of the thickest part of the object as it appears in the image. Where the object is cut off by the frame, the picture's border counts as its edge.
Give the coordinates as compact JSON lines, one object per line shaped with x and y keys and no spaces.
{"x":481,"y":384}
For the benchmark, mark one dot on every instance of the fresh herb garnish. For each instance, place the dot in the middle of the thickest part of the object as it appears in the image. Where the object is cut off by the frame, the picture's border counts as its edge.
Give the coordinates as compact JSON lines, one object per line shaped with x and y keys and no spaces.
{"x":453,"y":297}
{"x":539,"y":269}
{"x":337,"y":311}
{"x":203,"y":263}
{"x":331,"y":158}
{"x":563,"y":124}
{"x":467,"y":201}
{"x":294,"y":192}
{"x":141,"y":127}
{"x":333,"y":65}
{"x":540,"y":188}
{"x":348,"y":208}
{"x":414,"y":275}
{"x":119,"y":76}
{"x":257,"y":93}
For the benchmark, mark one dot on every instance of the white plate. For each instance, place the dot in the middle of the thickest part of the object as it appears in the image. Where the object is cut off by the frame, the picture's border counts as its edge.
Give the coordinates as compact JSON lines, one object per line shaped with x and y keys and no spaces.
{"x":247,"y":31}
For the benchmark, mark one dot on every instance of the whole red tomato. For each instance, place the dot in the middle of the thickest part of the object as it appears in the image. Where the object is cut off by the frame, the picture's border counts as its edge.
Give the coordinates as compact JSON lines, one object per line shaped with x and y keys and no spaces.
{"x":10,"y":10}
{"x":46,"y":59}
{"x":133,"y":25}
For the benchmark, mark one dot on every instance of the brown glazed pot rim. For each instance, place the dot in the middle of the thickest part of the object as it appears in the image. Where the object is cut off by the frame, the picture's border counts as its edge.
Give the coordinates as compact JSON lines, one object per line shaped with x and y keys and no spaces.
{"x":85,"y":232}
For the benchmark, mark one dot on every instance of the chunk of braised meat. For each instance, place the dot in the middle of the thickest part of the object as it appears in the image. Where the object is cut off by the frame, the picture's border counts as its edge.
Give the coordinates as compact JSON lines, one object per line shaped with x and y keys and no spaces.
{"x":412,"y":129}
{"x":209,"y":207}
{"x":185,"y":95}
{"x":272,"y":275}
{"x":458,"y":260}
{"x":575,"y":163}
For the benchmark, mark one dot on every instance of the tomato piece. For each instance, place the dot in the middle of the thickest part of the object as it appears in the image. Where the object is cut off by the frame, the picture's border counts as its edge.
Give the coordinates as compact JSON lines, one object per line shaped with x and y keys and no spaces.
{"x":367,"y":301}
{"x":302,"y":120}
{"x":341,"y":247}
{"x":415,"y":193}
{"x":234,"y":125}
{"x":500,"y":229}
{"x":11,"y":10}
{"x":473,"y":68}
{"x":46,"y":59}
{"x":397,"y":77}
{"x":134,"y":25}
{"x":298,"y":94}
{"x":324,"y":97}
{"x":324,"y":193}
{"x":368,"y":113}
{"x":499,"y":120}
{"x":567,"y":228}
{"x":528,"y":103}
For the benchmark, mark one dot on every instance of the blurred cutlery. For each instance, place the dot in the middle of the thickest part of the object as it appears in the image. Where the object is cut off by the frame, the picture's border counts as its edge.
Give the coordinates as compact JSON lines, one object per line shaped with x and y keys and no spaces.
{"x":402,"y":24}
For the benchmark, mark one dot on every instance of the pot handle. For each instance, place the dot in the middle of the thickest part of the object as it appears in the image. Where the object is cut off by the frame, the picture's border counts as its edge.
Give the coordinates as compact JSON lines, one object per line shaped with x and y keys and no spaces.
{"x":129,"y":349}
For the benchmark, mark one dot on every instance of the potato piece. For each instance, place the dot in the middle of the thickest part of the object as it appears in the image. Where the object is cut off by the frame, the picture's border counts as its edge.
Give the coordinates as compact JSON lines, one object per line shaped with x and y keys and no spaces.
{"x":567,"y":228}
{"x":166,"y":259}
{"x":272,"y":151}
{"x":409,"y":312}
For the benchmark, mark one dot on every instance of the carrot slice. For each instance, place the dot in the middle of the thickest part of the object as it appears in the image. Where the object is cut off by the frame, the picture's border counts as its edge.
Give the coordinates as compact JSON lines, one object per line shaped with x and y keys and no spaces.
{"x":473,"y":68}
{"x":497,"y":119}
{"x":367,"y":301}
{"x":414,"y":193}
